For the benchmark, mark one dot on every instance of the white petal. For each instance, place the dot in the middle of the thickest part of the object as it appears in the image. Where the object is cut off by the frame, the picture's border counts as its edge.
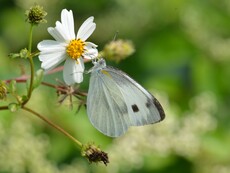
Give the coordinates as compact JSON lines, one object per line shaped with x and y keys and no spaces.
{"x":90,"y":44}
{"x":64,"y":30}
{"x":73,"y":71}
{"x":61,"y":30}
{"x":51,"y":46}
{"x":86,"y":29}
{"x":68,"y":23}
{"x":51,"y":60}
{"x":56,"y":34}
{"x":52,"y":53}
{"x":91,"y":51}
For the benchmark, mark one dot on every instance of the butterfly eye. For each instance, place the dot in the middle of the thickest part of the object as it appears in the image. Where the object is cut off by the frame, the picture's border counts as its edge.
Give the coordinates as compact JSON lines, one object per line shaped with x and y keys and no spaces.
{"x":101,"y":61}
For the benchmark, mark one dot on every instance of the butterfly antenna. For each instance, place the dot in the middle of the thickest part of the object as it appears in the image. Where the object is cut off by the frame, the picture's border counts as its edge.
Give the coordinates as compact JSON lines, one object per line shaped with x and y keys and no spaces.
{"x":115,"y":36}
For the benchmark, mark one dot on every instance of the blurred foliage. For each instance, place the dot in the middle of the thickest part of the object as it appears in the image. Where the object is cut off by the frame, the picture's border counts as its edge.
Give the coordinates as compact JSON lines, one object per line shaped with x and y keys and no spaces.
{"x":182,"y":55}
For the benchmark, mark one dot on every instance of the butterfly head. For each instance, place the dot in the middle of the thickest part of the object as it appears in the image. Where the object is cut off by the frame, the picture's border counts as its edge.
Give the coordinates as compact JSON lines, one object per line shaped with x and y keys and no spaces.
{"x":99,"y":64}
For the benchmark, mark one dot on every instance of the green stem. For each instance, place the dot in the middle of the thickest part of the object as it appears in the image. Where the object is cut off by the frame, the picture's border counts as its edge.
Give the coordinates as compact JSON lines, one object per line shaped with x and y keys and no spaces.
{"x":30,"y":38}
{"x":4,"y":108}
{"x":54,"y":126}
{"x":31,"y":77}
{"x":31,"y":67}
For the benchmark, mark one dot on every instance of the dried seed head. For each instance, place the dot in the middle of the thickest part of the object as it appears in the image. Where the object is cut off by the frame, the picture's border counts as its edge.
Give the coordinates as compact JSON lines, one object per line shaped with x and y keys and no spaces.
{"x":94,"y":154}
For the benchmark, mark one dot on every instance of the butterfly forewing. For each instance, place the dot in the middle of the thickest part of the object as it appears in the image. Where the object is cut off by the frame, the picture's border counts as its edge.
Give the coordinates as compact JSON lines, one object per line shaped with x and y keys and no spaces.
{"x":142,"y":107}
{"x":105,"y":105}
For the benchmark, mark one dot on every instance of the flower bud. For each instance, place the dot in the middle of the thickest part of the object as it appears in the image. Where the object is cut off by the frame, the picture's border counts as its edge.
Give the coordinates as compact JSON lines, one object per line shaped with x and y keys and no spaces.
{"x":13,"y":107}
{"x":36,"y":15}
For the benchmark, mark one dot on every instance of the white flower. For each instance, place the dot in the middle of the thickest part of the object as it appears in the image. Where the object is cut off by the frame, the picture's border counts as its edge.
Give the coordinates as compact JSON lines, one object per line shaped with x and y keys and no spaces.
{"x":68,"y":47}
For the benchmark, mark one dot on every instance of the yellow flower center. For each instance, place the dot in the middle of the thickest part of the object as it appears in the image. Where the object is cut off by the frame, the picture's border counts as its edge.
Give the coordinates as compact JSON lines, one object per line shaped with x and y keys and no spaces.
{"x":75,"y":49}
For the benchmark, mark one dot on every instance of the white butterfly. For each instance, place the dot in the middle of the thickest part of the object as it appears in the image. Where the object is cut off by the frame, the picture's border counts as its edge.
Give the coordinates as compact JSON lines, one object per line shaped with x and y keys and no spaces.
{"x":115,"y":101}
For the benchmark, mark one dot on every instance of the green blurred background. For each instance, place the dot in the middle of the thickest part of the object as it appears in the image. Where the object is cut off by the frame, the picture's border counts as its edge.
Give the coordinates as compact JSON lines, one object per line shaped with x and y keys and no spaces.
{"x":182,"y":56}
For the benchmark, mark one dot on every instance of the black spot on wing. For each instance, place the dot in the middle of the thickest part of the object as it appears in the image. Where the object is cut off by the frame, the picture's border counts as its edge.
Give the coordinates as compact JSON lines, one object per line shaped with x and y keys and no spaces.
{"x":135,"y":108}
{"x":158,"y":106}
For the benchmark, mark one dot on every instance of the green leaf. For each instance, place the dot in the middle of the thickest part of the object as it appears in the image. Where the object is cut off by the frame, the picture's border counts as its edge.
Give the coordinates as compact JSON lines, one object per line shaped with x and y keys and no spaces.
{"x":38,"y":78}
{"x":22,"y":54}
{"x":14,"y":55}
{"x":12,"y":87}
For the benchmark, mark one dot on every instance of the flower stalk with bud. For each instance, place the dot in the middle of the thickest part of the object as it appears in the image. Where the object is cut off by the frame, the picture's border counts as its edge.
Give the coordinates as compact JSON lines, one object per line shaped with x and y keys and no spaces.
{"x":34,"y":16}
{"x":67,"y":47}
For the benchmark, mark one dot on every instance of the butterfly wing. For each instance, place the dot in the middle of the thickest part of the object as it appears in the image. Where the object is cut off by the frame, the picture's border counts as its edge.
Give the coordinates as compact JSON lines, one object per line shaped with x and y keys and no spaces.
{"x":115,"y":102}
{"x":106,"y":107}
{"x":143,"y":108}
